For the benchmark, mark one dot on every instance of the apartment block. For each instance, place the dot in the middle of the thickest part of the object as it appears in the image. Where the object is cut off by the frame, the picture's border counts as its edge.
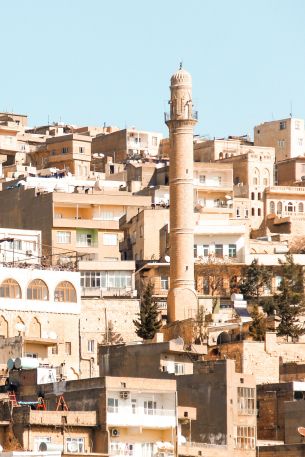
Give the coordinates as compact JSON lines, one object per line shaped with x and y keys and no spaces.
{"x":286,"y":136}
{"x":127,"y":143}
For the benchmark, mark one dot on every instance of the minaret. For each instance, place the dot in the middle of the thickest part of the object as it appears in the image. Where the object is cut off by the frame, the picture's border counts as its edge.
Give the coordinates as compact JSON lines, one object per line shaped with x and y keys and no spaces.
{"x":182,"y":298}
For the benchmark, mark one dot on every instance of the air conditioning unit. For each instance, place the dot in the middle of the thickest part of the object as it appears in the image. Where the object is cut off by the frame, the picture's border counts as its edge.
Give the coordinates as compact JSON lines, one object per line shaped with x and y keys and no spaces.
{"x":124,"y":394}
{"x":114,"y":432}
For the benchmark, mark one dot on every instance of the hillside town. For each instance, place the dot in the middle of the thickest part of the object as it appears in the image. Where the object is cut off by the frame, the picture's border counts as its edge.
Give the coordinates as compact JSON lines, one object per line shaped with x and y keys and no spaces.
{"x":152,"y":299}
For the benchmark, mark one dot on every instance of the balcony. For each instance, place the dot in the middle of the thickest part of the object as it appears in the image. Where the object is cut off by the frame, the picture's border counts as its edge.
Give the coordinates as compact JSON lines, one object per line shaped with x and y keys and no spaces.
{"x":79,"y":222}
{"x":286,"y":190}
{"x":193,"y":117}
{"x":149,"y":418}
{"x":124,"y":292}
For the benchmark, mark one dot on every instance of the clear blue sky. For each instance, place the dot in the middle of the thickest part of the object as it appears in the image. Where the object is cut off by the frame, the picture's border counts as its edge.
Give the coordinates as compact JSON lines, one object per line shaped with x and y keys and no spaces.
{"x":96,"y":61}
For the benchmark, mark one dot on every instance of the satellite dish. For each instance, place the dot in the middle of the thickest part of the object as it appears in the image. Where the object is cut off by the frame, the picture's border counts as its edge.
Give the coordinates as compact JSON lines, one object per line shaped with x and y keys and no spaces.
{"x":72,"y":446}
{"x":179,"y":341}
{"x":301,"y":431}
{"x":167,"y":258}
{"x":20,"y":327}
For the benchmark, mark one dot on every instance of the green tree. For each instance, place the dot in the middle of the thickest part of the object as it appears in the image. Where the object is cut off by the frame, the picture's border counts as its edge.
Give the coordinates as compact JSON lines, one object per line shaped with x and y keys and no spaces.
{"x":148,"y":323}
{"x":257,"y":327}
{"x":255,"y":278}
{"x":290,"y":301}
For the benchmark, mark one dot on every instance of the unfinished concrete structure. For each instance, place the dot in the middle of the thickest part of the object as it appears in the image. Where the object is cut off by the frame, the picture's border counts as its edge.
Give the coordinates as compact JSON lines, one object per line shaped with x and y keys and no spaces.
{"x":181,"y":121}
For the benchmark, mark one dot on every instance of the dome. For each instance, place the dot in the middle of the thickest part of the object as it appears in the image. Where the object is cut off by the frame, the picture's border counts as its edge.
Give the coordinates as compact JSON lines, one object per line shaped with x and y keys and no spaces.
{"x":181,"y":77}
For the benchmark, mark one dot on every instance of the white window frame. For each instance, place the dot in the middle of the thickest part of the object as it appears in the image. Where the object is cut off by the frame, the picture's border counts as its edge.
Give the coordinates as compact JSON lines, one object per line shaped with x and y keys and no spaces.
{"x":63,"y":237}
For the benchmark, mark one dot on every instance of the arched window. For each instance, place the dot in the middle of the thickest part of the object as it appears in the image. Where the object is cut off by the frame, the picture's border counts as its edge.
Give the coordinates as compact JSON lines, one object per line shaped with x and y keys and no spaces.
{"x":272,"y":207}
{"x":279,"y":208}
{"x":37,"y":290}
{"x":65,"y":292}
{"x":300,"y":207}
{"x":290,"y":207}
{"x":256,"y":177}
{"x":220,"y":155}
{"x":266,"y":177}
{"x":10,"y":289}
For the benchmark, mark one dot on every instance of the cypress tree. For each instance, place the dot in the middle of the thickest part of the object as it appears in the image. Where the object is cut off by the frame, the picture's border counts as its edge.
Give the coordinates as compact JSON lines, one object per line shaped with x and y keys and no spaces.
{"x":257,"y":327}
{"x":148,"y":323}
{"x":290,"y":299}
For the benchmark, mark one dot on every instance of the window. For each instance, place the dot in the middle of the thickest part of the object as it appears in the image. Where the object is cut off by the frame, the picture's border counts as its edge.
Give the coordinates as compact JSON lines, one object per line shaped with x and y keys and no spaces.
{"x":84,"y":239}
{"x":164,"y":282}
{"x":252,"y":196}
{"x":179,"y":368}
{"x":205,"y":250}
{"x":279,"y":208}
{"x":106,"y":279}
{"x":237,"y":212}
{"x":64,"y":150}
{"x":278,"y":282}
{"x":300,"y":207}
{"x":255,"y":181}
{"x":290,"y":207}
{"x":75,"y":445}
{"x":147,"y":450}
{"x":300,"y":141}
{"x":65,"y":292}
{"x":202,"y":179}
{"x":113,"y":405}
{"x":297,"y":125}
{"x":37,"y":290}
{"x":68,"y":348}
{"x":90,"y":346}
{"x":54,"y":350}
{"x":259,"y":196}
{"x":218,"y":250}
{"x":110,"y":239}
{"x":133,"y":406}
{"x":81,"y":149}
{"x":33,"y":355}
{"x":245,"y":437}
{"x":253,"y":211}
{"x":272,"y":207}
{"x":246,"y":213}
{"x":282,"y":125}
{"x":232,"y":250}
{"x":10,"y":289}
{"x":281,"y":143}
{"x":195,"y":251}
{"x":154,"y":141}
{"x":265,"y":181}
{"x":259,"y":211}
{"x":63,"y":237}
{"x":150,"y":407}
{"x":246,"y":400}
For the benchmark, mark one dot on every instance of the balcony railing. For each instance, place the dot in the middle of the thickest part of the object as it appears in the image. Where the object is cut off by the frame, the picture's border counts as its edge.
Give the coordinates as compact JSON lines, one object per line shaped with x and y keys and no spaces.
{"x":167,"y":116}
{"x":157,"y":418}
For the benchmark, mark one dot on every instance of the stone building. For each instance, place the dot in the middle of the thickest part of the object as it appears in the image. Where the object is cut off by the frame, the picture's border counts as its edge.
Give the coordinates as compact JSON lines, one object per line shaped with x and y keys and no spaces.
{"x":286,"y":136}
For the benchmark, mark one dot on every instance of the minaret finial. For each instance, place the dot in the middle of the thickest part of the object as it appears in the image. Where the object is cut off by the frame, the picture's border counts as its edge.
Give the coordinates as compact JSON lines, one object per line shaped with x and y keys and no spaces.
{"x":180,"y":66}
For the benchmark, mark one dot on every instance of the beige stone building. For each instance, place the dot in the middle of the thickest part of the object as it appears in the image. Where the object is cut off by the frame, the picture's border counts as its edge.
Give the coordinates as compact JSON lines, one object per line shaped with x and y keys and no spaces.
{"x":286,"y":136}
{"x":127,"y":143}
{"x":206,"y":150}
{"x":291,"y":172}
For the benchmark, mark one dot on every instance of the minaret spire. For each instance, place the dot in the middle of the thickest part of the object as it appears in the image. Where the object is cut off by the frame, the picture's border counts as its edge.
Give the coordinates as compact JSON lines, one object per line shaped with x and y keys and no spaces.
{"x":182,"y":298}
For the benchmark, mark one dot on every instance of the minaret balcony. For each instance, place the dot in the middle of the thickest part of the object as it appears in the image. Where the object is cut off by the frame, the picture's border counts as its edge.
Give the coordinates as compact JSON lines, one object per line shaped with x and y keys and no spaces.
{"x":194,"y":117}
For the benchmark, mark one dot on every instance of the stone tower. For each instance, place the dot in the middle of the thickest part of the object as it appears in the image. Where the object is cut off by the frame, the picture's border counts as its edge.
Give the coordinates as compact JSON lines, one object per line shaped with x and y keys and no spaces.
{"x":182,"y":298}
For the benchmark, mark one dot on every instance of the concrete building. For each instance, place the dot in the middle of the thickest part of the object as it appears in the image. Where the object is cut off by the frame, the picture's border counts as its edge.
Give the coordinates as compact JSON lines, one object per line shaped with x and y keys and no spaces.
{"x":127,"y":143}
{"x":111,"y":415}
{"x":70,"y":223}
{"x":286,"y":136}
{"x":206,"y":150}
{"x":20,"y":245}
{"x":225,"y":401}
{"x":291,"y":172}
{"x":180,"y":122}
